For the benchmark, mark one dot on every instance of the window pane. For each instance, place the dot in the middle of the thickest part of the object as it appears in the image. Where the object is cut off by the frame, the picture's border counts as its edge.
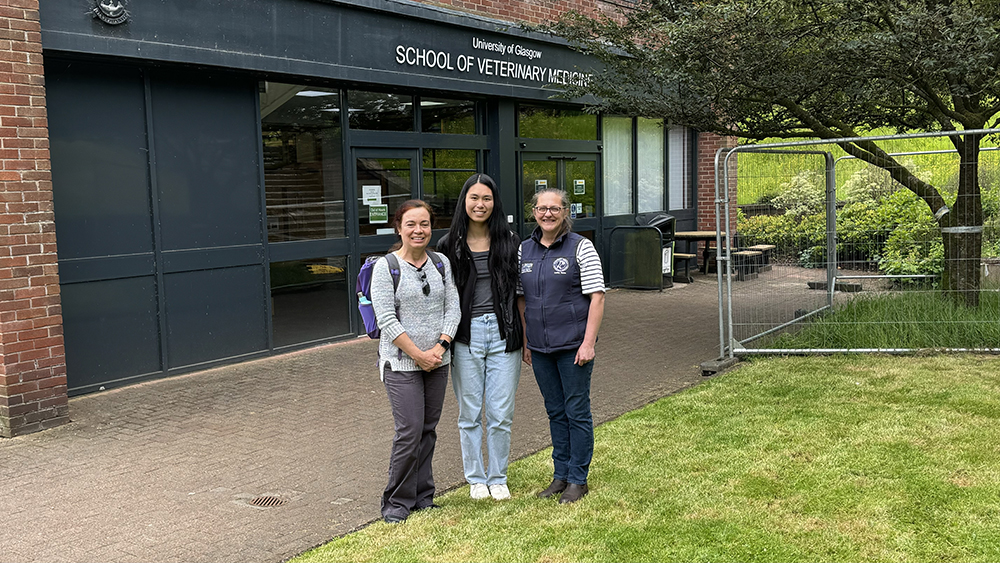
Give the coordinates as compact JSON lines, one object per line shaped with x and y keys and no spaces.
{"x":302,"y":162}
{"x":581,"y":179}
{"x":392,"y":179}
{"x":445,"y":172}
{"x":550,"y":123}
{"x":650,"y":162}
{"x":535,"y":175}
{"x":617,"y":136}
{"x":455,"y":117}
{"x":309,"y":300}
{"x":378,"y":111}
{"x":679,"y":159}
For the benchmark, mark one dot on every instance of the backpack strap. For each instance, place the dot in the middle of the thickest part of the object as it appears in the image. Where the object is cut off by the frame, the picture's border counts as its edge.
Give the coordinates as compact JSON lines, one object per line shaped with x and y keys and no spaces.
{"x":438,"y":262}
{"x":393,"y":263}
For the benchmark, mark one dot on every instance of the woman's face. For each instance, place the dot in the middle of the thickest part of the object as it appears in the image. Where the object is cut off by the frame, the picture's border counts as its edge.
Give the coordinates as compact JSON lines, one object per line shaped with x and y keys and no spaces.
{"x":479,"y":203}
{"x":550,"y":221}
{"x":415,"y":228}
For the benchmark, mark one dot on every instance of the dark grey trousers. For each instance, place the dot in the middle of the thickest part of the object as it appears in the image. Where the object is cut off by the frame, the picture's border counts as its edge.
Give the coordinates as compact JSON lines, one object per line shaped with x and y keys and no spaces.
{"x":417,"y":398}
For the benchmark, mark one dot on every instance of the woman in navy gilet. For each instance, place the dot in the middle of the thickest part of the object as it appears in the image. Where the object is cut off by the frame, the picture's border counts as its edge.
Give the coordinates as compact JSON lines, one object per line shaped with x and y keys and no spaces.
{"x":562,"y":305}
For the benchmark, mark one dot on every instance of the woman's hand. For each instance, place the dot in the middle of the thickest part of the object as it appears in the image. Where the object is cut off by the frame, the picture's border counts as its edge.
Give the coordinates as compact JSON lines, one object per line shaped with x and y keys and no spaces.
{"x":584,"y":354}
{"x":428,"y":360}
{"x":526,"y":355}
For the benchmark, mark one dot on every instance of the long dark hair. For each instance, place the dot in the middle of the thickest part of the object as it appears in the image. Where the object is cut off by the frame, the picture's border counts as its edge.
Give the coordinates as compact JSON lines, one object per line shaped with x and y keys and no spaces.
{"x":397,"y":219}
{"x":503,"y":245}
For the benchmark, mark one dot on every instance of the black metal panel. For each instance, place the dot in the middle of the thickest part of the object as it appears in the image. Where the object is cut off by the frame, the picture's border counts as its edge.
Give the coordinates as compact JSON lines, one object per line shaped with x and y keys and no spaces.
{"x":282,"y":251}
{"x":335,"y":40}
{"x":205,"y":134}
{"x":99,"y":159}
{"x":209,"y":258}
{"x":106,"y":268}
{"x":111,"y":330}
{"x":215,"y":314}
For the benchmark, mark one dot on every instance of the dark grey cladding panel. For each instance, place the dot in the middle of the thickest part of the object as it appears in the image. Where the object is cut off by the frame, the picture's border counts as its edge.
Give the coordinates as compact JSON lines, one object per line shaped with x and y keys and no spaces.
{"x":324,"y":39}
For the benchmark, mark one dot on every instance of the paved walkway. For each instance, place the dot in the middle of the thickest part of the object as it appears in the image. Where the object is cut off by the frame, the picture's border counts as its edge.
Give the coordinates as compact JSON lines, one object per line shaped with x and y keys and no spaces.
{"x":165,"y":471}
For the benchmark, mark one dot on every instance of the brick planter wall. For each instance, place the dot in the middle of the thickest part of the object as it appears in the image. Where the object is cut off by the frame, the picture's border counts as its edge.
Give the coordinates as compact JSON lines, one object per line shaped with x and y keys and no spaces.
{"x":32,"y":361}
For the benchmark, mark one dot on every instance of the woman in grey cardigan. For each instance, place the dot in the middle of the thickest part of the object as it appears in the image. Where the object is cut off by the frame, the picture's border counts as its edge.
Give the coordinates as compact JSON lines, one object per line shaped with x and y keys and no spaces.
{"x":418,"y":321}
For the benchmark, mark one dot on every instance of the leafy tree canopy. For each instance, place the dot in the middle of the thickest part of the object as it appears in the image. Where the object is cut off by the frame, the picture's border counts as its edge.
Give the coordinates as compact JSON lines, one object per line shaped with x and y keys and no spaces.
{"x":828,"y":69}
{"x":798,"y":68}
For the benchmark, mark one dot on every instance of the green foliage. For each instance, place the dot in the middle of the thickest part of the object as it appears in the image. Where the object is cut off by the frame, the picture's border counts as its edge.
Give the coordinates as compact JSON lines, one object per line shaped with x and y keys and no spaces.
{"x":877,"y":224}
{"x":914,"y":246}
{"x":802,"y":195}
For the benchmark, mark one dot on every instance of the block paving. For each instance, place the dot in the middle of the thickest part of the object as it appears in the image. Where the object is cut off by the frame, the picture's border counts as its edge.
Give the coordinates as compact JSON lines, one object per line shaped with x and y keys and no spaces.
{"x":164,"y":471}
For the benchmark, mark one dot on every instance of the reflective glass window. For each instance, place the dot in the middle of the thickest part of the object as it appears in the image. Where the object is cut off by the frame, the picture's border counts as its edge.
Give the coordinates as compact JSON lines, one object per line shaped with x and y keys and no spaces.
{"x":309,"y":300}
{"x":454,"y":117}
{"x":303,"y":161}
{"x":445,"y":172}
{"x":617,"y":154}
{"x":554,"y":123}
{"x":581,"y":186}
{"x":650,"y":163}
{"x":378,"y":111}
{"x":679,"y":168}
{"x":391,"y":179}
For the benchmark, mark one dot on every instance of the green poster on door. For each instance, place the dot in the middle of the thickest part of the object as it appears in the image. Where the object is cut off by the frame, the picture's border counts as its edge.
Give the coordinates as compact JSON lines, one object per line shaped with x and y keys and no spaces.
{"x":378,"y":214}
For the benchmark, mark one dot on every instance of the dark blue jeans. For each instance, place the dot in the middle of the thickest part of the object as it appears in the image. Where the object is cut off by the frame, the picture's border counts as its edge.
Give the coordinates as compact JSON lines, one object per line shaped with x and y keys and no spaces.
{"x":565,"y":387}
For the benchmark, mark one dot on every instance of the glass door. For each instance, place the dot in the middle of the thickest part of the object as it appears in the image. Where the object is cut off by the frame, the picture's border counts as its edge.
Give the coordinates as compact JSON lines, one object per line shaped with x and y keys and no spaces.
{"x":384,"y":179}
{"x":576,"y":174}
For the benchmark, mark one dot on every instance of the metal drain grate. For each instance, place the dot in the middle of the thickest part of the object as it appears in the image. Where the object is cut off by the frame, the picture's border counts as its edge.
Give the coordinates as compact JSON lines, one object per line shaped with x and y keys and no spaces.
{"x":267,"y":501}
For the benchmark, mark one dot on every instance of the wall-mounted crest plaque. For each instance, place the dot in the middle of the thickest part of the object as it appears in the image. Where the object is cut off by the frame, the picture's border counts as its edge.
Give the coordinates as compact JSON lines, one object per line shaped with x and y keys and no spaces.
{"x":111,"y":12}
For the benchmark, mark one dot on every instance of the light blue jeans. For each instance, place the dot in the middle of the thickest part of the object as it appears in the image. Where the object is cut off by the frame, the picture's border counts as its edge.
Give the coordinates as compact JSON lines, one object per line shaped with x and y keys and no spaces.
{"x":485,"y":379}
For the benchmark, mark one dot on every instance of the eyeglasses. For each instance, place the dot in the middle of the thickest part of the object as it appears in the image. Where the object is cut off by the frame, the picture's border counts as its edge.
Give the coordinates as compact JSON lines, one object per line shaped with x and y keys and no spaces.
{"x":423,"y":278}
{"x":544,"y":210}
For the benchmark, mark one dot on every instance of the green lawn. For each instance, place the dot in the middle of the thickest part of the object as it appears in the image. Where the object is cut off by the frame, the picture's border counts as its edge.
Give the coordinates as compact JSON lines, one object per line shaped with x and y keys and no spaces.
{"x":842,"y":458}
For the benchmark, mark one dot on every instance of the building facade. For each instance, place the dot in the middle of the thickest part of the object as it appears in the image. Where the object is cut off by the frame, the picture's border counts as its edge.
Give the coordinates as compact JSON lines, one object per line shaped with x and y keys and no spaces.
{"x":193,"y":183}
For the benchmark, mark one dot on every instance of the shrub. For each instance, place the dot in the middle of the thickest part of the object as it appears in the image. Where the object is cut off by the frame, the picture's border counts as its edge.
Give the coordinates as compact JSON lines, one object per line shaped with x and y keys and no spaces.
{"x":802,"y":195}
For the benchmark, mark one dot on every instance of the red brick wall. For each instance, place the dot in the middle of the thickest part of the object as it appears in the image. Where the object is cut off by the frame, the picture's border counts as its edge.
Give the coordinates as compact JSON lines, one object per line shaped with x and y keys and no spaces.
{"x":32,"y":360}
{"x":530,"y":11}
{"x":708,"y":145}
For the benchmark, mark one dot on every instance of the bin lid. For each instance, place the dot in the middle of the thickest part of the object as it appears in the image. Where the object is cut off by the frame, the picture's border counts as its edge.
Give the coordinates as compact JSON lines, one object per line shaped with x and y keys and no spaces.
{"x":658,"y":219}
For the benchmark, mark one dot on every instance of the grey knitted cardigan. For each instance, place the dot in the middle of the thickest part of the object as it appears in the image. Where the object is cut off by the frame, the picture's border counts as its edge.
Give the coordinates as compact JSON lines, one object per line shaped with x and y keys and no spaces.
{"x":424,"y":318}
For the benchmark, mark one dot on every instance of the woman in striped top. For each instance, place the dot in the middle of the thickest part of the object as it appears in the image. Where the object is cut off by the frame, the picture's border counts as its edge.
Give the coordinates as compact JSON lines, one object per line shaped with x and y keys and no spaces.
{"x":562,"y":303}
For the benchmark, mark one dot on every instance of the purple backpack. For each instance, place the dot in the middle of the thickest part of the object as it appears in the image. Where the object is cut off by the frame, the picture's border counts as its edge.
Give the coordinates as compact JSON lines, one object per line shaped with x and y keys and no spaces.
{"x":364,"y":286}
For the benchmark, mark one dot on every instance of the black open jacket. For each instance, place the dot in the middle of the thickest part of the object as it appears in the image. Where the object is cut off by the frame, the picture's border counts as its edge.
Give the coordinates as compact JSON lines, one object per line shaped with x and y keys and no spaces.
{"x":505,"y":306}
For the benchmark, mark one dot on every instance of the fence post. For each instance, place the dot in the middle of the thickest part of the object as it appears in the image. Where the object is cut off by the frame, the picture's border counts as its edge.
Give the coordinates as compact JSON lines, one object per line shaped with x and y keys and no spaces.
{"x":831,"y":226}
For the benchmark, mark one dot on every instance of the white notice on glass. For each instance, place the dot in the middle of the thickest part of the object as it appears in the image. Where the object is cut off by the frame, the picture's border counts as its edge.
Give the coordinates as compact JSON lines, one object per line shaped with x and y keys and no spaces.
{"x":579,"y":187}
{"x":372,"y":195}
{"x":541,"y":184}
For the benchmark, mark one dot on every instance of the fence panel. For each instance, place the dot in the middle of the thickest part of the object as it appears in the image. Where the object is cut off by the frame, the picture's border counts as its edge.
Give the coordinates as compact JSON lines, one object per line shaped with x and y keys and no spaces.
{"x":834,"y":254}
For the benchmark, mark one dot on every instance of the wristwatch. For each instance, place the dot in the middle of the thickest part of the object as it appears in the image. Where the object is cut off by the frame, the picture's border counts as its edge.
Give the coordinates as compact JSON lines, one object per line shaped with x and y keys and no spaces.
{"x":444,"y":344}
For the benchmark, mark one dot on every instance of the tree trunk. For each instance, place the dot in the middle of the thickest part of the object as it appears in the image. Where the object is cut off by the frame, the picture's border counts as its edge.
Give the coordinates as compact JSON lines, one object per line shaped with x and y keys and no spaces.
{"x":962,"y":231}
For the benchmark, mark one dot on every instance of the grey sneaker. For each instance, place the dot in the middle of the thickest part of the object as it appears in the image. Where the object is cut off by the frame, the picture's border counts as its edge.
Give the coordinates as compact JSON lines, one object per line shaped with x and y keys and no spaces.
{"x":499,"y":492}
{"x":479,"y":491}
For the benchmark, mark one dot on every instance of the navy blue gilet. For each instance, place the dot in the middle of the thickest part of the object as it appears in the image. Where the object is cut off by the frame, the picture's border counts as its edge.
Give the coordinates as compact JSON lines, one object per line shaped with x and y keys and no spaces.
{"x":555,"y":309}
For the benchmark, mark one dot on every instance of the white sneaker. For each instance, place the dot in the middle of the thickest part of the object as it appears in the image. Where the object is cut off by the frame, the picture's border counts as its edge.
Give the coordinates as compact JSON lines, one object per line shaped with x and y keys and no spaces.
{"x":479,"y":491}
{"x":499,"y":492}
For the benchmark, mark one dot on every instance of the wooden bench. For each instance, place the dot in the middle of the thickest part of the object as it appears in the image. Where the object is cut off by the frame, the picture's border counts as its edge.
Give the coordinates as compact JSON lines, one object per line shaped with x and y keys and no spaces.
{"x":686,"y":259}
{"x":746,"y":264}
{"x":765,"y":265}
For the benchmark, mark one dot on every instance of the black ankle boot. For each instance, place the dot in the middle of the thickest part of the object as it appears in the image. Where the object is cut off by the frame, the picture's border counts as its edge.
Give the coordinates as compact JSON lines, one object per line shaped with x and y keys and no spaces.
{"x":557,"y":486}
{"x":573,"y":493}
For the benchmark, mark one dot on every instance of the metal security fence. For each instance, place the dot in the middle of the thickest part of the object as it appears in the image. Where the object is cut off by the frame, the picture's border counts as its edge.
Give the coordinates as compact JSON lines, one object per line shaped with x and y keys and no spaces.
{"x":832,"y":254}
